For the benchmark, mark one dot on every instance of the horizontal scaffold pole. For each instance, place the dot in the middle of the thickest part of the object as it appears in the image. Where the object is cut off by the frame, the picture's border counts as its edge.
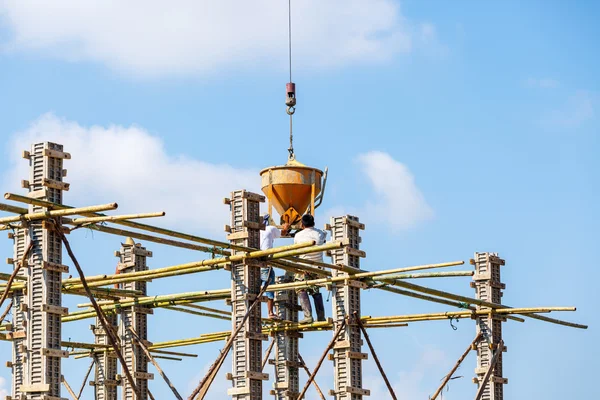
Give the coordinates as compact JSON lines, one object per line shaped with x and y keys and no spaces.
{"x":131,"y":224}
{"x":58,"y":213}
{"x":470,"y":300}
{"x":200,"y":266}
{"x":112,"y":218}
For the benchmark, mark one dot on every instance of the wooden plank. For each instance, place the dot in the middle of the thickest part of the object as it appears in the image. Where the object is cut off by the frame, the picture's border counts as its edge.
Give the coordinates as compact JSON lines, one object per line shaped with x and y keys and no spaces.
{"x":56,"y":154}
{"x":351,"y":222}
{"x":354,"y":390}
{"x":257,"y":375}
{"x":237,"y":391}
{"x":122,"y":266}
{"x":253,"y":197}
{"x":35,"y":388}
{"x":354,"y":252}
{"x":51,"y":266}
{"x":238,"y":235}
{"x":143,"y":375}
{"x":54,"y":353}
{"x":37,"y":194}
{"x":256,"y":336}
{"x":357,"y":355}
{"x":344,"y":344}
{"x":53,"y":184}
{"x":48,"y":308}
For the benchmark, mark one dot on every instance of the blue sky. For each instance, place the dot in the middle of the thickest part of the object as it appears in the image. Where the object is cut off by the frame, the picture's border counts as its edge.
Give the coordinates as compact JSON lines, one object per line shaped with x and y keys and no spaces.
{"x":480,"y":121}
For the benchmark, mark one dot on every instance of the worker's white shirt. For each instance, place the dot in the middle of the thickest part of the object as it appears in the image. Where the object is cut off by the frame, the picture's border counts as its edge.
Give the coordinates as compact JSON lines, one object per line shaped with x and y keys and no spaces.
{"x":268,"y":236}
{"x":310,"y":235}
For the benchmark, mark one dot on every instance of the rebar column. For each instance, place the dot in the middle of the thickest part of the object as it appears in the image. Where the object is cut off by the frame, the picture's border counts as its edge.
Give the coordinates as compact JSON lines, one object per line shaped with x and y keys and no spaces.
{"x":132,"y":258}
{"x":286,"y":385}
{"x":105,"y":377}
{"x":37,"y":310}
{"x":488,"y":287}
{"x":347,"y":356}
{"x":247,"y":375}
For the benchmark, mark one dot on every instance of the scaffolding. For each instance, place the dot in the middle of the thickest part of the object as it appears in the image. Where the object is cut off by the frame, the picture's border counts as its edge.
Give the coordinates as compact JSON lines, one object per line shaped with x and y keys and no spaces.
{"x":121,"y":351}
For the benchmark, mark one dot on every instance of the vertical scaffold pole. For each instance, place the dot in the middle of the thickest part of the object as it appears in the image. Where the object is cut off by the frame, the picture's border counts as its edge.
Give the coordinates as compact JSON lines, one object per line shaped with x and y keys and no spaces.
{"x":347,"y":355}
{"x":287,"y":364}
{"x":488,"y":287}
{"x":37,"y":311}
{"x":247,"y":375}
{"x":133,"y":259}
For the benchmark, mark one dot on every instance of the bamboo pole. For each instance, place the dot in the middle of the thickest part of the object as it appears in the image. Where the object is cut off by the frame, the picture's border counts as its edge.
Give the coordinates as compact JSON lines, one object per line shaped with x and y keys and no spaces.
{"x":267,"y":354}
{"x":112,"y":218}
{"x":211,"y":377}
{"x":482,"y":303}
{"x":368,"y":339}
{"x":213,"y":310}
{"x":146,"y":300}
{"x":80,"y":345}
{"x":153,"y":361}
{"x":87,"y":375}
{"x":223,"y":353}
{"x":174,"y":353}
{"x":101,"y":317}
{"x":202,"y":314}
{"x":438,"y":300}
{"x":169,"y":358}
{"x":6,"y":277}
{"x":453,"y":370}
{"x":361,"y":275}
{"x":150,"y":238}
{"x":131,"y":224}
{"x":486,"y":377}
{"x":15,"y":272}
{"x":64,"y":381}
{"x":58,"y":213}
{"x":329,"y":347}
{"x":430,"y":275}
{"x":305,"y":368}
{"x":197,"y":266}
{"x":153,"y":301}
{"x":13,"y":209}
{"x":475,"y":312}
{"x":5,"y":313}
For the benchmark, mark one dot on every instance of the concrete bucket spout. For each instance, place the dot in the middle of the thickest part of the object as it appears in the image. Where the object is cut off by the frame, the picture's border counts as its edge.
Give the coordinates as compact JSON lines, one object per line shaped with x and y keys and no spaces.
{"x":293,"y":189}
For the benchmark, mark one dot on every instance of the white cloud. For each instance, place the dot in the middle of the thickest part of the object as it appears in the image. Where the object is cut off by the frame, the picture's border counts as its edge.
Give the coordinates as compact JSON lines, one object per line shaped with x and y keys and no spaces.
{"x":152,"y":37}
{"x":398,"y":202}
{"x":543,"y":83}
{"x":577,"y":110}
{"x":3,"y":388}
{"x":130,"y":166}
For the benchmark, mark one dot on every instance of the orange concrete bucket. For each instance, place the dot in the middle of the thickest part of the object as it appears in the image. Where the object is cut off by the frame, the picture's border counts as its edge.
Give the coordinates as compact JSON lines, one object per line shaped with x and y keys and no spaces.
{"x":292,"y":189}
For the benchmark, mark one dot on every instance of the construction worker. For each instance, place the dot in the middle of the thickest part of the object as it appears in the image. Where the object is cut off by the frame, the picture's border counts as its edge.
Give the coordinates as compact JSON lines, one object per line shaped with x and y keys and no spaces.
{"x":309,"y":234}
{"x":267,"y":237}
